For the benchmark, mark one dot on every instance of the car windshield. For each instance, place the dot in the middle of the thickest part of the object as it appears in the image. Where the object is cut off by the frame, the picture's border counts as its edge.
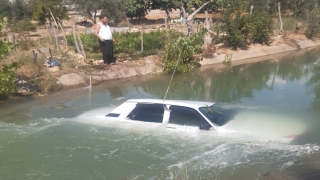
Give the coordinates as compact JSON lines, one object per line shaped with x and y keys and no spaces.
{"x":216,"y":114}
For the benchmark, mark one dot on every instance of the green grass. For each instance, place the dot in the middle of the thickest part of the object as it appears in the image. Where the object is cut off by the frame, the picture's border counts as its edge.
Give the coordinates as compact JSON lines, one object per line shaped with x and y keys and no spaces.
{"x":95,"y":56}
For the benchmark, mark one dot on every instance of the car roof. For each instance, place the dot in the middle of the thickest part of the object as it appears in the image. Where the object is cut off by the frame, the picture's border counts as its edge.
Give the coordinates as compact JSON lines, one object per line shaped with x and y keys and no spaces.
{"x":192,"y":104}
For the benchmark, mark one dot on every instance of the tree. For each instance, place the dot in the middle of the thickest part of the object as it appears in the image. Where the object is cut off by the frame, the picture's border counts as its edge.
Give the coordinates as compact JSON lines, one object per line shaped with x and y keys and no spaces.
{"x":4,"y":45}
{"x":113,"y":8}
{"x":166,"y":5}
{"x":40,"y":10}
{"x":5,"y":9}
{"x":7,"y":72}
{"x":137,"y":8}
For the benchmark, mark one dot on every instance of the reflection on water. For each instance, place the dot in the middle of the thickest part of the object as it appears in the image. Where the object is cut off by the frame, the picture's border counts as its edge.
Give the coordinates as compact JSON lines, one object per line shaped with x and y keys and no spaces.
{"x":66,"y":135}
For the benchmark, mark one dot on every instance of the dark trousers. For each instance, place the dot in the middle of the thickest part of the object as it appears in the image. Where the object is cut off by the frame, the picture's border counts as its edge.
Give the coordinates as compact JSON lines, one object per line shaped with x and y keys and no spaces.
{"x":106,"y":48}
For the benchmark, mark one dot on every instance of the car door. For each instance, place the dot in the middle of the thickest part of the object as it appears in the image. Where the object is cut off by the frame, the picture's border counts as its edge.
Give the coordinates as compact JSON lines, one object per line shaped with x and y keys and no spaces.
{"x":186,"y":119}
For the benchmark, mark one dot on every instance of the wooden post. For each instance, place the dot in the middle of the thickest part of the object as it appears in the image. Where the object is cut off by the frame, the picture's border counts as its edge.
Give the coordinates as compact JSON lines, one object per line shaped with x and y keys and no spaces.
{"x":55,"y":36}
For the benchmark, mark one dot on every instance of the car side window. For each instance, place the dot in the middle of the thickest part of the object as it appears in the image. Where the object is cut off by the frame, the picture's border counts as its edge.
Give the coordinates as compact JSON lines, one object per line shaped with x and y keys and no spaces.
{"x":185,"y":116}
{"x":147,"y":113}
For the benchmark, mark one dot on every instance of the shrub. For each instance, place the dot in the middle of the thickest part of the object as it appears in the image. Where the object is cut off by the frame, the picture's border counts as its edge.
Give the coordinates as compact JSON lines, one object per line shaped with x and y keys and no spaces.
{"x":90,"y":42}
{"x":7,"y":75}
{"x":187,"y":47}
{"x":244,"y":29}
{"x":313,"y":29}
{"x":129,"y":43}
{"x":26,"y":44}
{"x":22,"y":26}
{"x":261,"y":27}
{"x":234,"y":27}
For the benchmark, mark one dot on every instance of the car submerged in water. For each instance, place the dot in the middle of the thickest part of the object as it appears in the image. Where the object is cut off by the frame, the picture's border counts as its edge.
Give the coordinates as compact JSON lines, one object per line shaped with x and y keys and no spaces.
{"x":179,"y":114}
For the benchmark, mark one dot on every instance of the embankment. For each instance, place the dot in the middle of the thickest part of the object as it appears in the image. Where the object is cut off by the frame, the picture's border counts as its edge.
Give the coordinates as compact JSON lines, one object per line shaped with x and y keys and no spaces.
{"x":152,"y":64}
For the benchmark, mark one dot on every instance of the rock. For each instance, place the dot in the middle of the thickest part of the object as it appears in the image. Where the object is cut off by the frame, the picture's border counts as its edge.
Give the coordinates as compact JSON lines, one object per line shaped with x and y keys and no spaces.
{"x":71,"y":79}
{"x":298,"y":25}
{"x":54,"y":69}
{"x":24,"y":88}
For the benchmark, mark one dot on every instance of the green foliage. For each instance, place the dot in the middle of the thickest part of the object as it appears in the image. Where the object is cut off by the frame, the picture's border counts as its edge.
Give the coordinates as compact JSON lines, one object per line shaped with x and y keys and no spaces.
{"x":129,"y":43}
{"x":40,"y":10}
{"x":197,"y":40}
{"x":7,"y":75}
{"x":7,"y":72}
{"x":14,"y":10}
{"x":22,"y":26}
{"x":136,"y":8}
{"x":235,"y":38}
{"x":70,"y":40}
{"x":5,"y":46}
{"x":26,"y":44}
{"x":243,"y":28}
{"x":114,"y":9}
{"x":90,"y":42}
{"x":313,"y":29}
{"x":182,"y":49}
{"x":261,"y":27}
{"x":228,"y":59}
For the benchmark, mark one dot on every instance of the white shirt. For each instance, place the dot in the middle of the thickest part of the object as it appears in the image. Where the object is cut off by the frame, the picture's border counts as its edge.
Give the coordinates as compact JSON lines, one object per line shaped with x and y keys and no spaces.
{"x":105,"y":32}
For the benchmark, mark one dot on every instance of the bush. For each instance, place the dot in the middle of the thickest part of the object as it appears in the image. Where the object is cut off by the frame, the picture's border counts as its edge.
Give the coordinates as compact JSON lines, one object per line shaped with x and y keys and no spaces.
{"x":261,"y":27}
{"x":7,"y":84}
{"x":187,"y":47}
{"x":237,"y":29}
{"x":313,"y":29}
{"x":90,"y":42}
{"x":128,"y":43}
{"x":244,"y":29}
{"x":23,"y":25}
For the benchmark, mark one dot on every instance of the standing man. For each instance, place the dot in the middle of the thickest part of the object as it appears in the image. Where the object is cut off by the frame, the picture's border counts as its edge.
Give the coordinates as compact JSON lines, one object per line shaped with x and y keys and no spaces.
{"x":103,"y":32}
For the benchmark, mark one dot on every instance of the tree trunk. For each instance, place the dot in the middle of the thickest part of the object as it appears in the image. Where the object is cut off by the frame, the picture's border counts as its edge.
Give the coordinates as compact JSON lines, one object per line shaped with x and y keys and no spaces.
{"x":75,"y":37}
{"x":81,"y":47}
{"x":64,"y":34}
{"x":207,"y":24}
{"x":280,"y":19}
{"x":251,"y":9}
{"x":53,"y":18}
{"x":167,"y":18}
{"x":95,"y":18}
{"x":190,"y":19}
{"x":184,"y":14}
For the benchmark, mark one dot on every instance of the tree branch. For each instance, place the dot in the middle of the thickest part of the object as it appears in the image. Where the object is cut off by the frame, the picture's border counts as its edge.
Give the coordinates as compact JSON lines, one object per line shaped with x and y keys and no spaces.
{"x":190,"y":17}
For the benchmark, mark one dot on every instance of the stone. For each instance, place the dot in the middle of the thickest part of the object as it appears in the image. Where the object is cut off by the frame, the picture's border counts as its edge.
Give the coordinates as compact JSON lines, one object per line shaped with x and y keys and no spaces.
{"x":72,"y":79}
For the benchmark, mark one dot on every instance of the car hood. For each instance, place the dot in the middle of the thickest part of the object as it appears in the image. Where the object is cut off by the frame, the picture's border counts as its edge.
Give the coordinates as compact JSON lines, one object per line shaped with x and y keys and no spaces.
{"x":261,"y":123}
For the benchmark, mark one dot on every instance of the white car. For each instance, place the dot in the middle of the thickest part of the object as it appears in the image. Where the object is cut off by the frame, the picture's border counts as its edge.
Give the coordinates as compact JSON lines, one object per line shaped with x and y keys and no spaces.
{"x":209,"y":116}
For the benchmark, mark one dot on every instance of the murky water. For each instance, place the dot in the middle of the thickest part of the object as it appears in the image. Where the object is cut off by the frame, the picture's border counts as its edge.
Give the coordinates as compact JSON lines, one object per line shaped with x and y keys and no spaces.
{"x":66,"y":135}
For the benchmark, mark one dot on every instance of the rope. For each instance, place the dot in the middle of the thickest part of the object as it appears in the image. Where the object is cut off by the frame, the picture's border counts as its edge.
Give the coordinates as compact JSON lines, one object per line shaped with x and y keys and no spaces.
{"x":174,"y":71}
{"x":46,"y":68}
